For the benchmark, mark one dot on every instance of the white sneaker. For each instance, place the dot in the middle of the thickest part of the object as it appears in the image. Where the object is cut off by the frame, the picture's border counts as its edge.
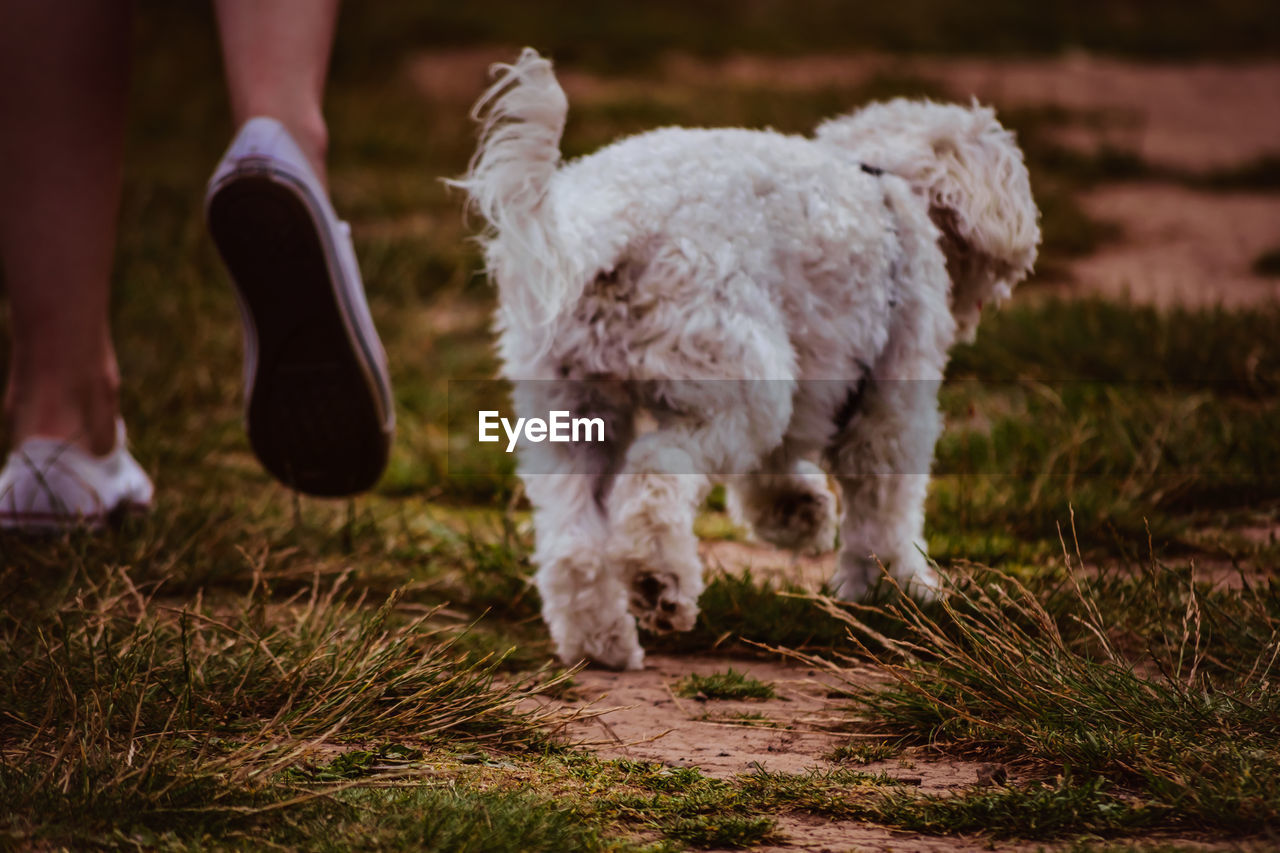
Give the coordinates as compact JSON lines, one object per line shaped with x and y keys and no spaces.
{"x":49,"y":484}
{"x":318,"y":401}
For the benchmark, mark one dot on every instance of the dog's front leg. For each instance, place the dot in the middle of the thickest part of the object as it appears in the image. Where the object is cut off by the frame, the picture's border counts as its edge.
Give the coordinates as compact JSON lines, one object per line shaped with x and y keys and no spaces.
{"x":653,"y":548}
{"x":882,"y":464}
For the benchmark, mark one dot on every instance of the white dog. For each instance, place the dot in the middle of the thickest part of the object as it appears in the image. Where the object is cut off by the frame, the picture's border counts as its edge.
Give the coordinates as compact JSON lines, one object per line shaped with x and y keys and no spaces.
{"x":826,"y":278}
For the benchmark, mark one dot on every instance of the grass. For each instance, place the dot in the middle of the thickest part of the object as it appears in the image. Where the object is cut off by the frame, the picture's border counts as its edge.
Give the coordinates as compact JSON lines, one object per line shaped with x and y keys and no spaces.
{"x":1033,"y":812}
{"x":481,"y":822}
{"x":614,"y":37}
{"x":1160,"y":422}
{"x":1087,"y":679}
{"x":861,"y":752}
{"x":1268,"y":263}
{"x":687,"y":806}
{"x":727,"y":831}
{"x":729,"y":684}
{"x":744,"y":718}
{"x":120,"y":703}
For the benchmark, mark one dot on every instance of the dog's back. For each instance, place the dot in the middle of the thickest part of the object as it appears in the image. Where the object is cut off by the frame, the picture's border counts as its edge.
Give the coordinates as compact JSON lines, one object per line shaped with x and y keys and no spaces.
{"x":681,"y":217}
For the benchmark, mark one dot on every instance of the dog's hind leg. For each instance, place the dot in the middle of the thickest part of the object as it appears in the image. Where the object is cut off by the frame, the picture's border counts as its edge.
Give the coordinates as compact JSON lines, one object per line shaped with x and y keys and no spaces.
{"x":666,"y":477}
{"x":788,"y":504}
{"x":584,"y":603}
{"x":882,"y":466}
{"x":883,"y":452}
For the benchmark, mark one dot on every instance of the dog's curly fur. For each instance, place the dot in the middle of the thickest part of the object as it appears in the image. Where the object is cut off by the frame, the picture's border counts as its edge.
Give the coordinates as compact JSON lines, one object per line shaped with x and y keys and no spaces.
{"x":842,"y":267}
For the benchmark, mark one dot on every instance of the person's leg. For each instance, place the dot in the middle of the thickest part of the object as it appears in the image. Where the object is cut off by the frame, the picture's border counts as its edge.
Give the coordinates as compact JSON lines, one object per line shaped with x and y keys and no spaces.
{"x":63,"y":81}
{"x":319,"y":408}
{"x":276,"y":54}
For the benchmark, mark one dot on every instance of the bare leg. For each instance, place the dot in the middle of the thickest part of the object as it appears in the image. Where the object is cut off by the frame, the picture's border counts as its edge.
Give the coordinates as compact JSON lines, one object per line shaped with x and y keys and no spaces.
{"x":64,"y":68}
{"x":276,"y":54}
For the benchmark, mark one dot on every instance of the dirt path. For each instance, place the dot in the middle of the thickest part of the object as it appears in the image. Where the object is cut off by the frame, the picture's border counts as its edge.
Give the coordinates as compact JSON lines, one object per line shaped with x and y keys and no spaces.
{"x":1178,"y":246}
{"x":643,"y":719}
{"x":1192,"y":116}
{"x":650,"y":723}
{"x":638,"y":716}
{"x":1196,"y":116}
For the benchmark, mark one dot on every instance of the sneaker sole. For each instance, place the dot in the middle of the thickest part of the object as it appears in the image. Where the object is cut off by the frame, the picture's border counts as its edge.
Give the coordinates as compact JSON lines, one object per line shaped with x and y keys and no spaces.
{"x":313,"y":416}
{"x":54,"y":523}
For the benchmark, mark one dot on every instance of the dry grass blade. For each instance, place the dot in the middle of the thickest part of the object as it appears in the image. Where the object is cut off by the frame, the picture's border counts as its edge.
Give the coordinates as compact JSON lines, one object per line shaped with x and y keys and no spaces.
{"x":998,"y":675}
{"x":119,"y":701}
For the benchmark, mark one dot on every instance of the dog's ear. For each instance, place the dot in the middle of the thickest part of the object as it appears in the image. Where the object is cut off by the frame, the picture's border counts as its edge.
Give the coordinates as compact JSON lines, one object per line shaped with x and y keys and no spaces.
{"x":972,"y":172}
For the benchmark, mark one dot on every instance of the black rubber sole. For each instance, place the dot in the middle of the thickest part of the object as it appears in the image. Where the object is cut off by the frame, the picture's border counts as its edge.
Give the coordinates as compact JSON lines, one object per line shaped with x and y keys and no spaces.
{"x":313,"y":416}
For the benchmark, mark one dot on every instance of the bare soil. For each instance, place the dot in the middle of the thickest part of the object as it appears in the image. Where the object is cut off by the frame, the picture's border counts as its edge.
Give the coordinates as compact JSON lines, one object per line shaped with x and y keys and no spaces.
{"x":1177,"y":247}
{"x":638,"y":715}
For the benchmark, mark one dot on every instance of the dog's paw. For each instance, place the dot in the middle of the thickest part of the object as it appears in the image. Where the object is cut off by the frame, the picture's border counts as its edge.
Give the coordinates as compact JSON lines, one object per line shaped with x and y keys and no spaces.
{"x":616,"y":647}
{"x":916,"y":577}
{"x":658,"y":605}
{"x":854,"y":577}
{"x":616,"y":650}
{"x":801,"y":520}
{"x":857,"y":576}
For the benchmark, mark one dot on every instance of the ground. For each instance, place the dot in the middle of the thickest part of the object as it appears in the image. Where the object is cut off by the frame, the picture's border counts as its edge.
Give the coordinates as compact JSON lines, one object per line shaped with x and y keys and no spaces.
{"x":247,"y":668}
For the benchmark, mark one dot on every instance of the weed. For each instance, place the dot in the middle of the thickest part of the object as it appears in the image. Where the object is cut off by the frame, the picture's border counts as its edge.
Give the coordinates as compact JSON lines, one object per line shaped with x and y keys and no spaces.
{"x":1034,"y":812}
{"x":861,"y":752}
{"x":729,"y":684}
{"x":1268,"y":263}
{"x":729,"y":831}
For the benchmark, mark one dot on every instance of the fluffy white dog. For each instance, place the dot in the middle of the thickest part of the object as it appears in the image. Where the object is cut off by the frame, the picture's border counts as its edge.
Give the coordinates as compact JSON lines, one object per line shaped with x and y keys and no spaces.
{"x":824,"y":278}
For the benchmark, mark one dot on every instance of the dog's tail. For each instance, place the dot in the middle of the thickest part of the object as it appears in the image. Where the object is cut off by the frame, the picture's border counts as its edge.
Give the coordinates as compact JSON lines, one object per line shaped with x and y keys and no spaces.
{"x":522,"y":117}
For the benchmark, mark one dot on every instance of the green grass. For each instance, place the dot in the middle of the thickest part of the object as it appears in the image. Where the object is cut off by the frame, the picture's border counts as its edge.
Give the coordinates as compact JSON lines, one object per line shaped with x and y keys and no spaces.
{"x":462,"y":821}
{"x":729,"y":684}
{"x":614,"y":36}
{"x":858,"y":751}
{"x":1033,"y":812}
{"x":1142,"y":421}
{"x":731,"y":831}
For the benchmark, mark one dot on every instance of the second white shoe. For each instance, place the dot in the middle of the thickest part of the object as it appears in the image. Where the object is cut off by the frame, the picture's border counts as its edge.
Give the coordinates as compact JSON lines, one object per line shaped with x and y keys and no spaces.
{"x":49,"y":484}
